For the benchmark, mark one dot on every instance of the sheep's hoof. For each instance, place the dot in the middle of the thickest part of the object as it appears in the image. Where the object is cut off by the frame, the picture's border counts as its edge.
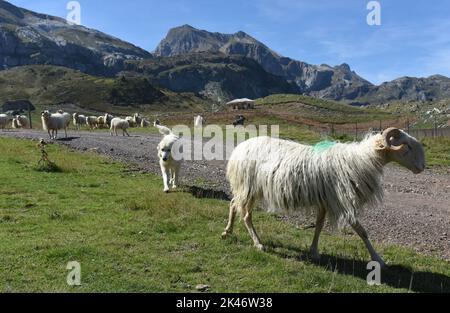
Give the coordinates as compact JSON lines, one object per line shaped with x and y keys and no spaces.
{"x":174,"y":186}
{"x":260,"y":247}
{"x":225,"y":235}
{"x":166,"y":190}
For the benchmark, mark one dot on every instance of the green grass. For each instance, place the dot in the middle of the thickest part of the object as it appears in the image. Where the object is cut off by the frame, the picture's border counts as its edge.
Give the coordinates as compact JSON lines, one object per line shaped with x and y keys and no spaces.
{"x":129,"y":236}
{"x":437,"y":151}
{"x":322,"y":110}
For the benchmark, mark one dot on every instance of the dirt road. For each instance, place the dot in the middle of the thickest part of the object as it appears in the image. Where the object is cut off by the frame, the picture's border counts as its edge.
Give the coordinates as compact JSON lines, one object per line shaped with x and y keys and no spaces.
{"x":416,"y":211}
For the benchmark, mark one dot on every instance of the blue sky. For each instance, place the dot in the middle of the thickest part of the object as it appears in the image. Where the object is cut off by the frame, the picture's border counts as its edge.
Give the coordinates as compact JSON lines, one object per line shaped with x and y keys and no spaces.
{"x":412,"y":40}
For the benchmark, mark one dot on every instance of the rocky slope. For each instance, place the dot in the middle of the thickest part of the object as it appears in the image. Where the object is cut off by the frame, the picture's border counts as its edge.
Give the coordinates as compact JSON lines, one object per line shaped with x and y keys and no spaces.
{"x":213,"y":75}
{"x":30,"y":38}
{"x":433,"y":88}
{"x":338,"y":82}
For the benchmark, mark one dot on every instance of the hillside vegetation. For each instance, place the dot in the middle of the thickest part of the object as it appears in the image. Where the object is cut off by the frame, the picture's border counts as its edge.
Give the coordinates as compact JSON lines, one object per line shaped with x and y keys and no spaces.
{"x":47,"y":86}
{"x":321,"y":110}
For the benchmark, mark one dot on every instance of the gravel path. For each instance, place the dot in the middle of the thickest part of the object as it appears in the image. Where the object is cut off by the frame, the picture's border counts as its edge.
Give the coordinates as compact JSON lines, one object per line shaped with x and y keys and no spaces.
{"x":416,"y":211}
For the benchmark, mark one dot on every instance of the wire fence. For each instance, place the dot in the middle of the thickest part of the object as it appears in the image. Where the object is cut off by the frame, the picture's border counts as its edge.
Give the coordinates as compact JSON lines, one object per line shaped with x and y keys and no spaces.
{"x":358,"y":131}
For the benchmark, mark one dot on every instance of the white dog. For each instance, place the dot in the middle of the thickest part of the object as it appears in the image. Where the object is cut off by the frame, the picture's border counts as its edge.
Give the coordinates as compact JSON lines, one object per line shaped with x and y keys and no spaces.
{"x":170,"y":167}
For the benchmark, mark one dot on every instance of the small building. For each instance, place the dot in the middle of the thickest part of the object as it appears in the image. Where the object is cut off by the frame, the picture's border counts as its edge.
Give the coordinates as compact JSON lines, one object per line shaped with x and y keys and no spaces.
{"x":18,"y":106}
{"x":241,"y":104}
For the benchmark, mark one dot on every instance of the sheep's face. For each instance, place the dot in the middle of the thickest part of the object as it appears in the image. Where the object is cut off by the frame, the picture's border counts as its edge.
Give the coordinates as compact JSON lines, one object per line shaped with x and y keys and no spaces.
{"x":45,"y":114}
{"x":405,"y":150}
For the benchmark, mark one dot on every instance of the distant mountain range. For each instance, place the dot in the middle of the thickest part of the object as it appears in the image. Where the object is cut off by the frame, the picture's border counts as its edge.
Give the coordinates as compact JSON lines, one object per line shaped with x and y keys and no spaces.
{"x":213,"y":65}
{"x":28,"y":38}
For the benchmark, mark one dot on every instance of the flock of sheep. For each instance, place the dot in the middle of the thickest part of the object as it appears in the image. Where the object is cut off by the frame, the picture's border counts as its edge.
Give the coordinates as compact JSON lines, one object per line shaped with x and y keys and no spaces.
{"x":52,"y":122}
{"x":18,"y":121}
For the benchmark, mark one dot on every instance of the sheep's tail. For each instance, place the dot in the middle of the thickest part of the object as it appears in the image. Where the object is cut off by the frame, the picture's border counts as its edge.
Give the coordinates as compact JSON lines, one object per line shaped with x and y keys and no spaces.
{"x":163,"y":130}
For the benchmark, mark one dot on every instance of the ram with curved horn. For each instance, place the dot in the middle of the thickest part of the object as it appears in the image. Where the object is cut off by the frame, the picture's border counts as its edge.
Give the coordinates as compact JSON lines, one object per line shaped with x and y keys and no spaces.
{"x":336,"y":180}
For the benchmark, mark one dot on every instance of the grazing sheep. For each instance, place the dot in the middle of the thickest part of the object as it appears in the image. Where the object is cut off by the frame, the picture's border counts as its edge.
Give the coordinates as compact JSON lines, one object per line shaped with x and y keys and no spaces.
{"x":108,"y":119}
{"x":170,"y":167}
{"x":54,"y":122}
{"x":130,"y":120}
{"x":101,"y":122}
{"x":67,"y":117}
{"x":21,"y":121}
{"x":338,"y":180}
{"x":137,"y":119}
{"x":119,"y":123}
{"x":79,"y":120}
{"x":198,"y":121}
{"x":145,"y":123}
{"x":4,"y":120}
{"x":91,"y":122}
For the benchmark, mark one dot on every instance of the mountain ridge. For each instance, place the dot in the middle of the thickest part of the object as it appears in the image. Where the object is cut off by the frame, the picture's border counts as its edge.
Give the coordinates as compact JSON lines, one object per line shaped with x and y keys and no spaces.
{"x":338,"y":82}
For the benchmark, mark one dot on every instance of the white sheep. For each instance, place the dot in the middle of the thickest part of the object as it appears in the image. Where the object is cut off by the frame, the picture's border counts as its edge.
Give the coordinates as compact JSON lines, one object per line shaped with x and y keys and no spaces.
{"x":130,"y":120}
{"x":137,"y":119}
{"x":21,"y":121}
{"x":54,"y":122}
{"x":67,"y":117}
{"x":108,"y":119}
{"x":101,"y":122}
{"x":337,"y":181}
{"x":91,"y":122}
{"x":145,"y":123}
{"x":4,"y":120}
{"x":79,"y":120}
{"x":119,"y":123}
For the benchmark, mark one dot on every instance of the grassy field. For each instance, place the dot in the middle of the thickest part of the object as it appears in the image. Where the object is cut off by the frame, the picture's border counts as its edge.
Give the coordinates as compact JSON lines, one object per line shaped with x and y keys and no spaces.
{"x":129,"y":236}
{"x":322,"y":110}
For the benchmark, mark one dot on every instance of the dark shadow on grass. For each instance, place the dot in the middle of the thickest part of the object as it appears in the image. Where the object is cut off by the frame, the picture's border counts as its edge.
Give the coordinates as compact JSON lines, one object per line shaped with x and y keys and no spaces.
{"x":68,"y":139}
{"x":204,"y":192}
{"x":396,"y":276}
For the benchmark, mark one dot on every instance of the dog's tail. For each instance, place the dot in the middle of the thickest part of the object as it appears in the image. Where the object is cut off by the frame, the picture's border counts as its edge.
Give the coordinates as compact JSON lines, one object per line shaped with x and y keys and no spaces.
{"x":163,"y":130}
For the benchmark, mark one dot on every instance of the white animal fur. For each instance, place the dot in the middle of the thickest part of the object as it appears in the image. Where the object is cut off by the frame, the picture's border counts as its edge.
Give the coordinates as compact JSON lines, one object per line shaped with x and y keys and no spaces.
{"x":54,"y":122}
{"x":119,"y":123}
{"x":67,"y":117}
{"x":91,"y":121}
{"x":170,"y":168}
{"x":339,"y":181}
{"x":79,"y":120}
{"x":4,"y":119}
{"x":145,"y":123}
{"x":20,"y":121}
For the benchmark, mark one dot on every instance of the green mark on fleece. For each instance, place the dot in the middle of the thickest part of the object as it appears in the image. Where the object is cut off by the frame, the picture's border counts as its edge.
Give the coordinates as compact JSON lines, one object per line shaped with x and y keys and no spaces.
{"x":323,"y":146}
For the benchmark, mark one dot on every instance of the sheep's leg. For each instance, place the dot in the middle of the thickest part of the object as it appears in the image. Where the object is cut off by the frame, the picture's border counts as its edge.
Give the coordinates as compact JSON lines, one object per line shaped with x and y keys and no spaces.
{"x":50,"y":134}
{"x":359,"y":229}
{"x":229,"y":229}
{"x":126,"y":132}
{"x":314,"y":250}
{"x":251,"y":230}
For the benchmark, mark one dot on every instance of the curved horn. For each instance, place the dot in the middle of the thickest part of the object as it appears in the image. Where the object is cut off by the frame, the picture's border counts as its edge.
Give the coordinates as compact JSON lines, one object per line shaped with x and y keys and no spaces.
{"x":395,"y":133}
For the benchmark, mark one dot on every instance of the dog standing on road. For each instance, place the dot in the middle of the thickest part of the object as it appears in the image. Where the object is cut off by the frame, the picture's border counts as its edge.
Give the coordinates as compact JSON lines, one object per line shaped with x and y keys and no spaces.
{"x":170,"y":167}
